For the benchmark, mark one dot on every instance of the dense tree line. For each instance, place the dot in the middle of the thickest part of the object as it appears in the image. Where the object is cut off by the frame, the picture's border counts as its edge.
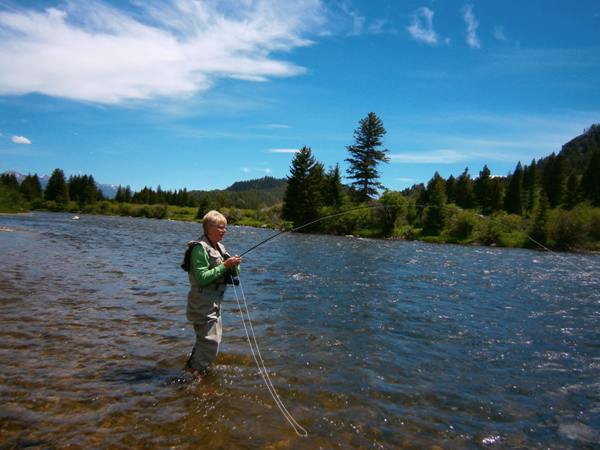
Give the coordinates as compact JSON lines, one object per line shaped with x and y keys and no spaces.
{"x":549,"y":202}
{"x":80,"y":192}
{"x":59,"y":194}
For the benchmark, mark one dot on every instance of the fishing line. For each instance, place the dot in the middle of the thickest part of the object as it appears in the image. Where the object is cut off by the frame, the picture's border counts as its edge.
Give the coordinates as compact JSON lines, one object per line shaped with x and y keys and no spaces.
{"x":260,"y":363}
{"x":249,"y":329}
{"x":330,"y":216}
{"x":341,"y":213}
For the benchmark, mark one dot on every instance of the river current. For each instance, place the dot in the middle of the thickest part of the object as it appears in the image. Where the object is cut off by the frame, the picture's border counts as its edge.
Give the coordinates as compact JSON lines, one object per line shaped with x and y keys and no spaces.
{"x":370,"y":343}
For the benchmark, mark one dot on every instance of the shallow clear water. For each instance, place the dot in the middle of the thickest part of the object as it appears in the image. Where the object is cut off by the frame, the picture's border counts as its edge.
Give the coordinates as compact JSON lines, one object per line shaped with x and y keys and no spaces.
{"x":371,"y":344}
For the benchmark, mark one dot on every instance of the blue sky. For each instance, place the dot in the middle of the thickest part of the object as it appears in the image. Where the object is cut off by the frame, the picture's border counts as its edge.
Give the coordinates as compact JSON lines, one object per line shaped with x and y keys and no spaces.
{"x":201,"y":94}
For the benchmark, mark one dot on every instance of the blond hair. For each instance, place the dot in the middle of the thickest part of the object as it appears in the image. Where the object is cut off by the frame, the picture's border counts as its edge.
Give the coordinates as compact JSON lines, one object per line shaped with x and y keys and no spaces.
{"x":213,"y":218}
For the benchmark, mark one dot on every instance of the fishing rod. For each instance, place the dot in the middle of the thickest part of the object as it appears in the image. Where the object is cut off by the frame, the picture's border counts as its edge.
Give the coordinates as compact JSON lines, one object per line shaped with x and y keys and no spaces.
{"x":379,"y":206}
{"x":330,"y":216}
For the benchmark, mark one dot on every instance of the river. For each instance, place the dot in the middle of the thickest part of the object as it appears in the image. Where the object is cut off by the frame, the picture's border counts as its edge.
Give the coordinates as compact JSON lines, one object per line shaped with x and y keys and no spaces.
{"x":370,"y":343}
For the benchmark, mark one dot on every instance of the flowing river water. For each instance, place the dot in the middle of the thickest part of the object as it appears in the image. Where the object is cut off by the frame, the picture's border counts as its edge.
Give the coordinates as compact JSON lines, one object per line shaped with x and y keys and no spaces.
{"x":370,"y":344}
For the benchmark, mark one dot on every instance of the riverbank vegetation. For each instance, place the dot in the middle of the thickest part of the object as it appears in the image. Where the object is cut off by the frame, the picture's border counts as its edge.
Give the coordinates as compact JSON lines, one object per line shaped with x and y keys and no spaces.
{"x":553,"y":202}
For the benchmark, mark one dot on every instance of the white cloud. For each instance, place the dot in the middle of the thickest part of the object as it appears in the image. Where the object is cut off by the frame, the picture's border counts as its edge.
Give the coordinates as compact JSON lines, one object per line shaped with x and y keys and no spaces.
{"x":277,"y":126}
{"x":421,"y":28}
{"x":20,"y":140}
{"x":442,"y":156}
{"x":472,"y":25}
{"x":265,"y":170}
{"x":345,"y":18}
{"x":284,"y":150}
{"x":499,"y":33}
{"x":92,"y":51}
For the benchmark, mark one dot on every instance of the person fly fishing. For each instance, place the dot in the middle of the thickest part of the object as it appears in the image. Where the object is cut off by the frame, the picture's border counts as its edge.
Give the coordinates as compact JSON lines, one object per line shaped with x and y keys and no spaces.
{"x":210,"y":268}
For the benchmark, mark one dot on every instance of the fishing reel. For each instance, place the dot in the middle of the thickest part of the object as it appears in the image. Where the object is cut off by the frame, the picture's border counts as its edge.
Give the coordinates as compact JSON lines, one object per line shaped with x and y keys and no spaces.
{"x":231,"y":279}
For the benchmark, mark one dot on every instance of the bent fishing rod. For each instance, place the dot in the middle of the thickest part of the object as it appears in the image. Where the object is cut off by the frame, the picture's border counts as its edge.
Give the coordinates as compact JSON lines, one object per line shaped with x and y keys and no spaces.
{"x":330,"y":216}
{"x":358,"y":208}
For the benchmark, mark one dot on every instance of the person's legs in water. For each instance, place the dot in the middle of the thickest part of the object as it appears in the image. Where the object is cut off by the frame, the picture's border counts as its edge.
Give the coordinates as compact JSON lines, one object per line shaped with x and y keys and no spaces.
{"x":208,"y":338}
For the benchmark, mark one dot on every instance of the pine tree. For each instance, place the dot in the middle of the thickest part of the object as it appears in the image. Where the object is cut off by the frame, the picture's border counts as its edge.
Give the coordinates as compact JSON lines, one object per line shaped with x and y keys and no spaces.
{"x":435,"y":213}
{"x":571,"y":197}
{"x":530,"y":188}
{"x":555,"y":179}
{"x":120,"y":195}
{"x":483,"y":190}
{"x":590,"y":182}
{"x":302,"y":198}
{"x":10,"y":181}
{"x":513,"y":202}
{"x":56,"y":189}
{"x":451,"y":189}
{"x":83,"y":190}
{"x":31,"y":188}
{"x":334,"y":193}
{"x":496,"y":195}
{"x":539,"y":229}
{"x":203,"y":207}
{"x":365,"y":155}
{"x":464,"y":190}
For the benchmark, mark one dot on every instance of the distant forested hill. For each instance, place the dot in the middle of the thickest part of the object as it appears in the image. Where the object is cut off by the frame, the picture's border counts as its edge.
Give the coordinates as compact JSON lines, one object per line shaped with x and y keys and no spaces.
{"x":265,"y":183}
{"x":252,"y":194}
{"x":578,"y":151}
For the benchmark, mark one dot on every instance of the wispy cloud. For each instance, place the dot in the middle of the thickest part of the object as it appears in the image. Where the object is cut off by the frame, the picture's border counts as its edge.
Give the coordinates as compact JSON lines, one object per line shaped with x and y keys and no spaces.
{"x":499,"y":33}
{"x":92,"y":51}
{"x":347,"y":17}
{"x":283,"y":150}
{"x":421,"y":27}
{"x":472,"y":25}
{"x":265,"y":170}
{"x":441,"y":156}
{"x":277,"y":126}
{"x":22,"y":140}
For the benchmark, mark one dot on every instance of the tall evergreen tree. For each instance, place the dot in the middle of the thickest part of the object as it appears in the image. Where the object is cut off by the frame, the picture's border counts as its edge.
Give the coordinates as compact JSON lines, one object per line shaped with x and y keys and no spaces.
{"x":435,"y":213}
{"x":451,"y":189}
{"x":530,"y":188}
{"x":496,"y":195}
{"x":365,"y":155}
{"x":10,"y":181}
{"x":464,"y":190}
{"x":539,"y":229}
{"x":120,"y":195}
{"x":203,"y":207}
{"x":590,"y":181}
{"x":513,"y":202}
{"x":483,"y":190}
{"x":334,"y":189}
{"x":83,"y":190}
{"x":302,"y":198}
{"x":571,"y":197}
{"x":56,"y":189}
{"x":31,"y":187}
{"x":555,"y":179}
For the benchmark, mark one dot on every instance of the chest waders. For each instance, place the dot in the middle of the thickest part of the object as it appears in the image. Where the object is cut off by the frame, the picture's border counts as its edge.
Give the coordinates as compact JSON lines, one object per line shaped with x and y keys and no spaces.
{"x":204,"y":307}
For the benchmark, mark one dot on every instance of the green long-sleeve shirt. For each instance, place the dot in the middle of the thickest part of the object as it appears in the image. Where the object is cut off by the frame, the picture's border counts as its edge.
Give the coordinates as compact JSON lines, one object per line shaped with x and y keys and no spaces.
{"x":200,"y":267}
